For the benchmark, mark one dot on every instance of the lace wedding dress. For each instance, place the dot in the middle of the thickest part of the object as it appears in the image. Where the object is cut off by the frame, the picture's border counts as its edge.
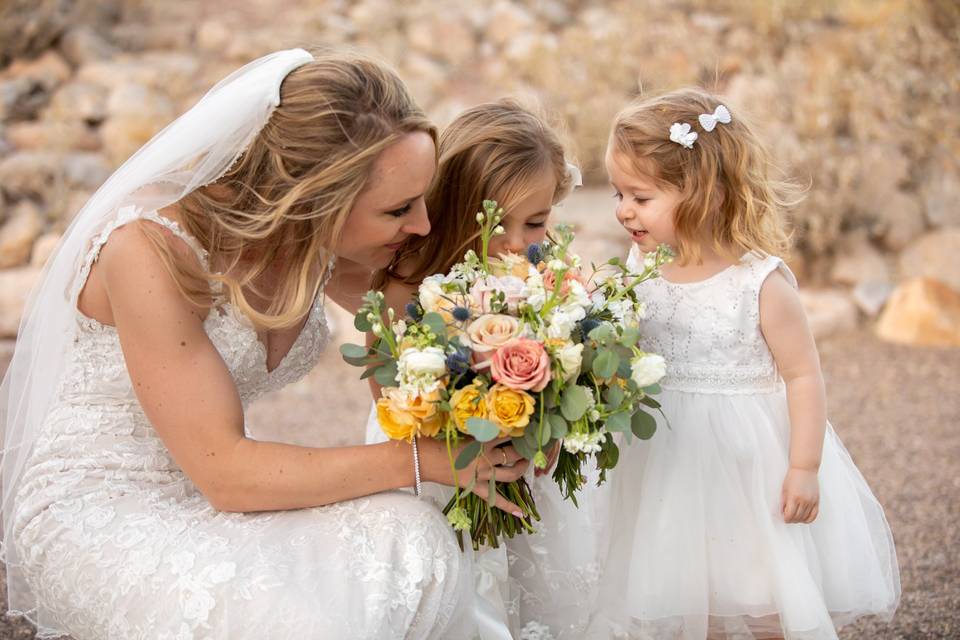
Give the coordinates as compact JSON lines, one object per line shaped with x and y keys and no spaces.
{"x":117,"y":542}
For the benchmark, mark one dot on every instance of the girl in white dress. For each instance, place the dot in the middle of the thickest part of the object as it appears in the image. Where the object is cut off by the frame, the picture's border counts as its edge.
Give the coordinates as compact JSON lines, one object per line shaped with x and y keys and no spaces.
{"x":193,"y":282}
{"x":744,"y":516}
{"x":505,"y":152}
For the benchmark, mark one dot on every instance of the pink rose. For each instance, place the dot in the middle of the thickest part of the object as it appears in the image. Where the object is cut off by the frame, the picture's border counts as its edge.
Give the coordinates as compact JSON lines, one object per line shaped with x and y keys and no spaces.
{"x":484,"y":289}
{"x":521,"y":364}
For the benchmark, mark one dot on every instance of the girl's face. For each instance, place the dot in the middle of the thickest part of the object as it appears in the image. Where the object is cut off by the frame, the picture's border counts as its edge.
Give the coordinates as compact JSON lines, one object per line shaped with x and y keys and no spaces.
{"x":645,"y":209}
{"x":525,"y":222}
{"x":390,"y":208}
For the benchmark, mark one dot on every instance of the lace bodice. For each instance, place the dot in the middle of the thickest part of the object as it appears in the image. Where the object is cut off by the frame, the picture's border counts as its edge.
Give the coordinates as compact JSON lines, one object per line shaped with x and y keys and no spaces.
{"x":709,"y":331}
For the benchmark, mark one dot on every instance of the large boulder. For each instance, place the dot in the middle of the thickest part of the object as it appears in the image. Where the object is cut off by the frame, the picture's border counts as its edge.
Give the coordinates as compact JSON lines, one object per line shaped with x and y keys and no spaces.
{"x":935,"y":255}
{"x":922,"y":312}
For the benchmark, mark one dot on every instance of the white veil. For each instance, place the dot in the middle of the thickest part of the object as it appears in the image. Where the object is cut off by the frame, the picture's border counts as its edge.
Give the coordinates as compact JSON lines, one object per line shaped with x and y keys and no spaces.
{"x":194,"y":150}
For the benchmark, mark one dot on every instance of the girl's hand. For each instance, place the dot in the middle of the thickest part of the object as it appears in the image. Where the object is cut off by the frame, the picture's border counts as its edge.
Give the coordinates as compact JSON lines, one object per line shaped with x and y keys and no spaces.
{"x":503,"y":463}
{"x":800,"y":496}
{"x":551,"y":460}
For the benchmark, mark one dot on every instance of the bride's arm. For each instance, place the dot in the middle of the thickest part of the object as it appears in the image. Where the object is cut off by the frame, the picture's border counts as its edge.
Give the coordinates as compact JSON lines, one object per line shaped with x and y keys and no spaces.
{"x":189,"y":397}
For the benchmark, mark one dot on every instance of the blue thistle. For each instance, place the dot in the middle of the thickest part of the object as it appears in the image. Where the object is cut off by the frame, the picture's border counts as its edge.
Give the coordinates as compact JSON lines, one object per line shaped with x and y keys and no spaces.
{"x":458,"y":362}
{"x":461,"y":314}
{"x":587,"y":325}
{"x":535,"y":253}
{"x":413,"y":310}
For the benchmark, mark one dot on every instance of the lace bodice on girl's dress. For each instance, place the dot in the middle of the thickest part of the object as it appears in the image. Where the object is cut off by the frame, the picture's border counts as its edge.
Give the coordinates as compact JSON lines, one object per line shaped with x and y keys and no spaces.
{"x":117,"y":542}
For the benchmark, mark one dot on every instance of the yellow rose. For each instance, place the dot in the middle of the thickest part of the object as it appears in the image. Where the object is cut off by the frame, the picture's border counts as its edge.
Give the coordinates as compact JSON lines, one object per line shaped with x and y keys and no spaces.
{"x":402,"y":415}
{"x":510,"y":410}
{"x":467,"y":403}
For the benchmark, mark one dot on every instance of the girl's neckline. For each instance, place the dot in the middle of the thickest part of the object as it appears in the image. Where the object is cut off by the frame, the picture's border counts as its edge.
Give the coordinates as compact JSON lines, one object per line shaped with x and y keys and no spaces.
{"x":709,"y":278}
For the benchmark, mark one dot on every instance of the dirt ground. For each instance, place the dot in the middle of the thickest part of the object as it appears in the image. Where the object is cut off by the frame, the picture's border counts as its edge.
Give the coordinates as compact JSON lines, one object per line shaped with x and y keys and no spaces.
{"x":897,"y":410}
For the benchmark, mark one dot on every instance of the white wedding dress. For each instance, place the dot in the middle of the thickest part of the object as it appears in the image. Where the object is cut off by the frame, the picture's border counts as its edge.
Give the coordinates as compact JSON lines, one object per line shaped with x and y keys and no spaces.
{"x":117,"y":542}
{"x":698,"y":545}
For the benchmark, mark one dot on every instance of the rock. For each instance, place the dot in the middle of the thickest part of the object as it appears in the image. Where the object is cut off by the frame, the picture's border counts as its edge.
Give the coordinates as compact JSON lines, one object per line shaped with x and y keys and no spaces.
{"x":935,"y":255}
{"x":43,"y":248}
{"x":15,"y":286}
{"x":214,"y":36}
{"x":80,"y":101}
{"x":135,"y":114}
{"x":83,"y":44}
{"x":29,"y":27}
{"x":18,"y":233}
{"x":48,"y":71}
{"x":21,"y":99}
{"x":871,"y":296}
{"x":167,"y":72}
{"x":829,"y":311}
{"x":941,"y":191}
{"x":85,"y":170}
{"x":922,"y":312}
{"x":67,"y":207}
{"x":507,"y":21}
{"x":47,"y":135}
{"x":30,"y":174}
{"x":901,"y":219}
{"x":858,"y":261}
{"x":445,"y":36}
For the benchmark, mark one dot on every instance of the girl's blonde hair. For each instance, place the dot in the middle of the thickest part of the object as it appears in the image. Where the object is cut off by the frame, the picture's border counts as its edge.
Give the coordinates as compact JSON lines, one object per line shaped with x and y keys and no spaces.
{"x":724,"y":179}
{"x":286,"y":199}
{"x":491,"y":151}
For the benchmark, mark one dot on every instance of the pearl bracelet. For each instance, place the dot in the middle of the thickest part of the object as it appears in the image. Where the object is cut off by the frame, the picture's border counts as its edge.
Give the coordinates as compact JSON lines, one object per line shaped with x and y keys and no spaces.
{"x":416,"y":467}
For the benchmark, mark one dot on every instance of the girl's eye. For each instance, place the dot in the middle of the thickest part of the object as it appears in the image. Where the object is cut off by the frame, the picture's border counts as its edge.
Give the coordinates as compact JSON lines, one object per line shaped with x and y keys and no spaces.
{"x":537,"y":225}
{"x":640,"y":200}
{"x":617,"y":195}
{"x":396,"y":213}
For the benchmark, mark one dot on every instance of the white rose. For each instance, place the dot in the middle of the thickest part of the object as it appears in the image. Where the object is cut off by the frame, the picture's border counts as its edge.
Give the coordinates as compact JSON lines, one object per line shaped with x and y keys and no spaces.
{"x":570,"y":357}
{"x":422,"y":362}
{"x":648,"y":369}
{"x":561,"y":325}
{"x":490,"y":331}
{"x":430,"y":293}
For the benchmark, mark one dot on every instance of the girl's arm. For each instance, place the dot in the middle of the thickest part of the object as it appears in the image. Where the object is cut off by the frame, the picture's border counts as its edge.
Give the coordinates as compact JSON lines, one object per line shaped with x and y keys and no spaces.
{"x":784,"y":326}
{"x":190,"y":398}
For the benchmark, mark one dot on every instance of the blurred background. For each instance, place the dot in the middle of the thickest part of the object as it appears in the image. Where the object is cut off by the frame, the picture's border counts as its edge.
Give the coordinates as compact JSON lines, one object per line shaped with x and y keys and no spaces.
{"x":859,"y":99}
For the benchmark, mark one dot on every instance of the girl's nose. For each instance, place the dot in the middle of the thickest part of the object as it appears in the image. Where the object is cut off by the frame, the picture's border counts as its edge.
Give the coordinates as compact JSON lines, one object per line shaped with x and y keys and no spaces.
{"x":513,"y":242}
{"x":418,"y":222}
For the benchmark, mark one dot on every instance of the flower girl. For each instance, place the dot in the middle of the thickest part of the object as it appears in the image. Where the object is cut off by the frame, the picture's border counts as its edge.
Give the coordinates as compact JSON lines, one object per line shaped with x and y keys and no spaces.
{"x":744,"y":517}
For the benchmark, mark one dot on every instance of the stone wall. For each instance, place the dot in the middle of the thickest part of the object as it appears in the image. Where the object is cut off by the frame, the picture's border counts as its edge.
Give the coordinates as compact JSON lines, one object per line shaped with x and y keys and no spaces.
{"x":859,"y":99}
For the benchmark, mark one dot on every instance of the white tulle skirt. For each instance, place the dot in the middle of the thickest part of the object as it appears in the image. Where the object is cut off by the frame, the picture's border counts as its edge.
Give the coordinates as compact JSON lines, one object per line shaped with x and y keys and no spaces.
{"x":698,"y":547}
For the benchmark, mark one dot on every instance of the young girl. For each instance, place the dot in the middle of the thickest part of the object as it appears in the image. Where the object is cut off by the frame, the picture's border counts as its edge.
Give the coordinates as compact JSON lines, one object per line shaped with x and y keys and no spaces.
{"x":503,"y":151}
{"x":744,"y":517}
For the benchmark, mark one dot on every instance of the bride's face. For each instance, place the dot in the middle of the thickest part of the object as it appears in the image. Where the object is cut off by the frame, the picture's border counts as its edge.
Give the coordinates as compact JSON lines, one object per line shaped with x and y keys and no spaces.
{"x":390,"y":208}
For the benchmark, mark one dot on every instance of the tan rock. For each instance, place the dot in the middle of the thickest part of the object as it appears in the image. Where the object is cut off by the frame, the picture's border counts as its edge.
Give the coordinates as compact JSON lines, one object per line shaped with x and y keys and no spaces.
{"x":859,"y":261}
{"x":214,"y":35}
{"x":922,"y":312}
{"x":82,"y":44}
{"x":15,"y":286}
{"x":31,"y":174}
{"x":46,"y":135}
{"x":49,"y":70}
{"x":901,"y":219}
{"x":829,"y":311}
{"x":935,"y":255}
{"x":941,"y":191}
{"x":83,"y":101}
{"x":85,"y":170}
{"x":135,"y":114}
{"x":43,"y":248}
{"x":446,"y":36}
{"x":18,"y":233}
{"x":507,"y":21}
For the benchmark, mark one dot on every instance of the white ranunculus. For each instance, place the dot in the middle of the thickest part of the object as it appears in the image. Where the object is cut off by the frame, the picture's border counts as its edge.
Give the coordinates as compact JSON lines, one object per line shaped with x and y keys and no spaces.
{"x":422,"y":362}
{"x":431,"y":293}
{"x":561,"y":325}
{"x":571,"y":358}
{"x":648,"y":369}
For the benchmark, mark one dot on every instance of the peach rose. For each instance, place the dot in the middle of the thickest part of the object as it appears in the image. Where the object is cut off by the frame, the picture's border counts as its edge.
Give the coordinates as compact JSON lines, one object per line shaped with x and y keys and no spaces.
{"x":550,"y":281}
{"x":521,"y":364}
{"x":403,"y":415}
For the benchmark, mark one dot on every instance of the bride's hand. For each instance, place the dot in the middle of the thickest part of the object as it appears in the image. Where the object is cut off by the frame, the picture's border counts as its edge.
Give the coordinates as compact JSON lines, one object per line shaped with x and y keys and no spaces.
{"x":503,"y":463}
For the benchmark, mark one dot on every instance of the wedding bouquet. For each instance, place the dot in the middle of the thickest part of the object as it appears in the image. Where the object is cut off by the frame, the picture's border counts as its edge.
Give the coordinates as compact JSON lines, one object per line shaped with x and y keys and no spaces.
{"x":519,"y":347}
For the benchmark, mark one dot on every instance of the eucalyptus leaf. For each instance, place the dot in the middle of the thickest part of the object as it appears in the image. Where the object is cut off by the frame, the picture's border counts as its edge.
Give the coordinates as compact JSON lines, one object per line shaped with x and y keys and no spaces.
{"x":524,"y":449}
{"x":652,"y":389}
{"x":619,"y":422}
{"x":650,"y":402}
{"x":614,"y":396}
{"x":386,"y":375}
{"x":558,"y":426}
{"x":630,"y":337}
{"x":643,"y":425}
{"x":354,"y":351}
{"x":482,"y":430}
{"x":361,"y":324}
{"x":601,"y":333}
{"x":624,"y":369}
{"x":574,"y":402}
{"x":545,"y":433}
{"x":468,"y":455}
{"x":368,"y":372}
{"x":606,"y":363}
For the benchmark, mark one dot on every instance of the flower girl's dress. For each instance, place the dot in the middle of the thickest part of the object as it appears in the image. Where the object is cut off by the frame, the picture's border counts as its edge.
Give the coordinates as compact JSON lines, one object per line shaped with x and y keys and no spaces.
{"x":698,"y":544}
{"x":117,"y":542}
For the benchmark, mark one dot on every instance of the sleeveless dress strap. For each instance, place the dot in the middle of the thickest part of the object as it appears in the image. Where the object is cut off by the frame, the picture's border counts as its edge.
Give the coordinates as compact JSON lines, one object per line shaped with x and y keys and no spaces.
{"x":125,"y":216}
{"x":761,"y":268}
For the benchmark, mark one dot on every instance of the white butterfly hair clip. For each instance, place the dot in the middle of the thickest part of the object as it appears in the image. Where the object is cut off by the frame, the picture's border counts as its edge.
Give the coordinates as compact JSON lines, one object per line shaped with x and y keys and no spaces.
{"x":681,"y":134}
{"x":576,"y":180}
{"x":709,"y":120}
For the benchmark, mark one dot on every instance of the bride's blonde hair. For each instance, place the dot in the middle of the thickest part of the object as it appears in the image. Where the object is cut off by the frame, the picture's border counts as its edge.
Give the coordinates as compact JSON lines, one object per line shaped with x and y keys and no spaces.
{"x":287,"y":197}
{"x":491,"y":151}
{"x":725,"y":180}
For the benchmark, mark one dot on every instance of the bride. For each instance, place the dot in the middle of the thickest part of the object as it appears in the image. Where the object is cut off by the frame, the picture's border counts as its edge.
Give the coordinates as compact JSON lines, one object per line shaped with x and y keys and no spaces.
{"x":193,"y":282}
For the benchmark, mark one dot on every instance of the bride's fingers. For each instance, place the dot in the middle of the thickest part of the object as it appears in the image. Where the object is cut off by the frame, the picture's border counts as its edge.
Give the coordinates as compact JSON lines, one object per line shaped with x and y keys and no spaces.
{"x":510,"y":474}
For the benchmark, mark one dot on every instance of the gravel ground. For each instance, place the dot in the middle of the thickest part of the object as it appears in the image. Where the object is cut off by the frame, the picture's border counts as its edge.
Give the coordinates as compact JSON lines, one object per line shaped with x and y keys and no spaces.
{"x":896,"y":409}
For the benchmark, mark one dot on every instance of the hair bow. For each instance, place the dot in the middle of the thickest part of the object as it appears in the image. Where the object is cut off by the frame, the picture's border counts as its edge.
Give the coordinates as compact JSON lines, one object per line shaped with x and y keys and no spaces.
{"x":709,"y":120}
{"x":681,"y":134}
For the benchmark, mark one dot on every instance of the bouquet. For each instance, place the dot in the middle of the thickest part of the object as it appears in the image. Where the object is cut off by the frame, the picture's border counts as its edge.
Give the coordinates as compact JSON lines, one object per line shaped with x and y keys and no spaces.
{"x":520,"y":347}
